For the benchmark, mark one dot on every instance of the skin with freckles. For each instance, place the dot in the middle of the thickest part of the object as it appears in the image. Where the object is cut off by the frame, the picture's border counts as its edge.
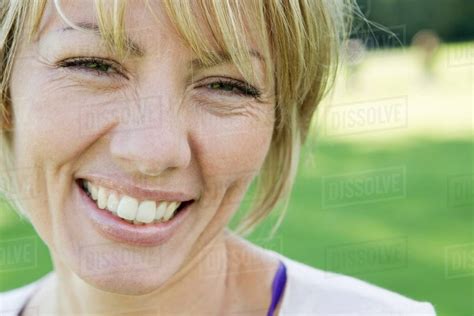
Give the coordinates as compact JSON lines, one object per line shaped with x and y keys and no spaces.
{"x":158,"y":121}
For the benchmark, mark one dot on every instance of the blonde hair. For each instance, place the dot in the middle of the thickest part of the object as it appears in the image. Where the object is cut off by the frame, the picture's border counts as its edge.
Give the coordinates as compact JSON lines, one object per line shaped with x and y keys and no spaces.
{"x":302,"y":41}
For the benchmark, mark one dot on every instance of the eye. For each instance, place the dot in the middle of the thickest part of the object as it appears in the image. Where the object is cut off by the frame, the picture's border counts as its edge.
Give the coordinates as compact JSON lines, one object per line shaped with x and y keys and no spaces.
{"x":233,"y":87}
{"x":98,"y":66}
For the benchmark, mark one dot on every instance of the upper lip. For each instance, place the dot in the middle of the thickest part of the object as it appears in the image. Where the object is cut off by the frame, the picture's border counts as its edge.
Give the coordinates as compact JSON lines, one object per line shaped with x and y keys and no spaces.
{"x":126,"y":187}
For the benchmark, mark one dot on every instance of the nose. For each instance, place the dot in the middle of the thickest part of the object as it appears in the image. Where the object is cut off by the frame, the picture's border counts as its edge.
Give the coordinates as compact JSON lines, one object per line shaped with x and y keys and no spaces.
{"x":153,"y":141}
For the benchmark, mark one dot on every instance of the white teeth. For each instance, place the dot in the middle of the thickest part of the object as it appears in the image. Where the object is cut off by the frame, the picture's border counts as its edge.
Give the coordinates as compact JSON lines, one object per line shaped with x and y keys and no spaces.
{"x":127,"y":208}
{"x":130,"y":209}
{"x":170,"y":210}
{"x":102,"y":198}
{"x":146,"y":212}
{"x":94,"y":191}
{"x":160,"y":211}
{"x":112,"y":202}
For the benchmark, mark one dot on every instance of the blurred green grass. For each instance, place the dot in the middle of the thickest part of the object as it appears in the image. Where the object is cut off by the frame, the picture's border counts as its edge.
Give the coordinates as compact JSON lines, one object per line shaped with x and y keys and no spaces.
{"x":423,"y":219}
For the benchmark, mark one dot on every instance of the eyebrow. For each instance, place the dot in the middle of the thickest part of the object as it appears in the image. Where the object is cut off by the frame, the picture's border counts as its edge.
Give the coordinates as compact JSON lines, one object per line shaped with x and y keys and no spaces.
{"x":137,"y":51}
{"x":223,"y":58}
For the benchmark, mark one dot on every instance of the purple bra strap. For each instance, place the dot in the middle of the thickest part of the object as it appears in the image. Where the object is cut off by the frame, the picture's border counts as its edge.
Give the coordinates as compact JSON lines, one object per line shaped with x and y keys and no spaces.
{"x":279,"y":282}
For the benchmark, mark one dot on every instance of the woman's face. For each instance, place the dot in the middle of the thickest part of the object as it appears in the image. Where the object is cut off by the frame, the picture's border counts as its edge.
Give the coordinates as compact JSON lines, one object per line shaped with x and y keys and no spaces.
{"x":152,"y":128}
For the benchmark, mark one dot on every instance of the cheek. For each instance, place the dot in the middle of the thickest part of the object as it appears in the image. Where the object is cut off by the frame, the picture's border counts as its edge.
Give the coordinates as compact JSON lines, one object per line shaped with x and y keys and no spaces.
{"x":230,"y":151}
{"x":56,"y":122}
{"x":47,"y":120}
{"x":234,"y":147}
{"x":52,"y":131}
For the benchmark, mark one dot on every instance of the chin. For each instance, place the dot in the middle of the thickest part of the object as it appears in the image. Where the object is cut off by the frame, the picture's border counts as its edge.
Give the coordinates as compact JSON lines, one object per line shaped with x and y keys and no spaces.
{"x":127,"y":283}
{"x":122,"y":269}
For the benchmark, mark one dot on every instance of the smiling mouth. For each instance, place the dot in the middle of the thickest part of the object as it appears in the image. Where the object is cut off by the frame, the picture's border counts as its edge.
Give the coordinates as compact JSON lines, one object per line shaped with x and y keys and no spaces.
{"x":130,"y":209}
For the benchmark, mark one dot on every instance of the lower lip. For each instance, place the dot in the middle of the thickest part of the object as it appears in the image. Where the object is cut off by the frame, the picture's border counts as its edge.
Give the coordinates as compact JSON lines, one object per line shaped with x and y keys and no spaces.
{"x":117,"y":229}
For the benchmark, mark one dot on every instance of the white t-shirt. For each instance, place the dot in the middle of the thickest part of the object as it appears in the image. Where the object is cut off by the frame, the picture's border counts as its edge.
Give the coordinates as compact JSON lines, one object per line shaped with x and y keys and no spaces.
{"x":315,"y":292}
{"x":308,"y":292}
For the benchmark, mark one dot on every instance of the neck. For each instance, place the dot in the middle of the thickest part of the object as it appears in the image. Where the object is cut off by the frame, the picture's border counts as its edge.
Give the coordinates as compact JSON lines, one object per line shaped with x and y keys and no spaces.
{"x":68,"y":294}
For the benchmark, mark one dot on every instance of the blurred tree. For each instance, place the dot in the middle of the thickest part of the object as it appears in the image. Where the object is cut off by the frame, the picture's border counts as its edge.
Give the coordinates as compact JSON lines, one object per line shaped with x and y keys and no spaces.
{"x":452,"y":20}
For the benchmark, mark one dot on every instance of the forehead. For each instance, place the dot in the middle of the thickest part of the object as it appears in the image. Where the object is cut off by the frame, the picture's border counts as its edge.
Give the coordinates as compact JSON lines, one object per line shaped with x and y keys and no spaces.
{"x":145,"y":18}
{"x":142,"y":19}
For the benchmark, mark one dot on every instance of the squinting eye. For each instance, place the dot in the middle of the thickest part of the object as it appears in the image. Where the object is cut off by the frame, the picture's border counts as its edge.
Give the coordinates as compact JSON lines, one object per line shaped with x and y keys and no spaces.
{"x":234,"y":87}
{"x":97,"y":65}
{"x":222,"y":86}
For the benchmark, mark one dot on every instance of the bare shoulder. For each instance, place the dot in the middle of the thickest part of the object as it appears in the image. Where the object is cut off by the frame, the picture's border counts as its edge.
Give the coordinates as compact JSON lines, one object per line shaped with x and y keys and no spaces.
{"x":315,"y":291}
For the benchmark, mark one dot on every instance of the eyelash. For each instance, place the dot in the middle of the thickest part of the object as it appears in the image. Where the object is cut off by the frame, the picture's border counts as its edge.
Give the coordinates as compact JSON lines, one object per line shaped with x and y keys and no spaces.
{"x":238,"y":88}
{"x":81,"y":62}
